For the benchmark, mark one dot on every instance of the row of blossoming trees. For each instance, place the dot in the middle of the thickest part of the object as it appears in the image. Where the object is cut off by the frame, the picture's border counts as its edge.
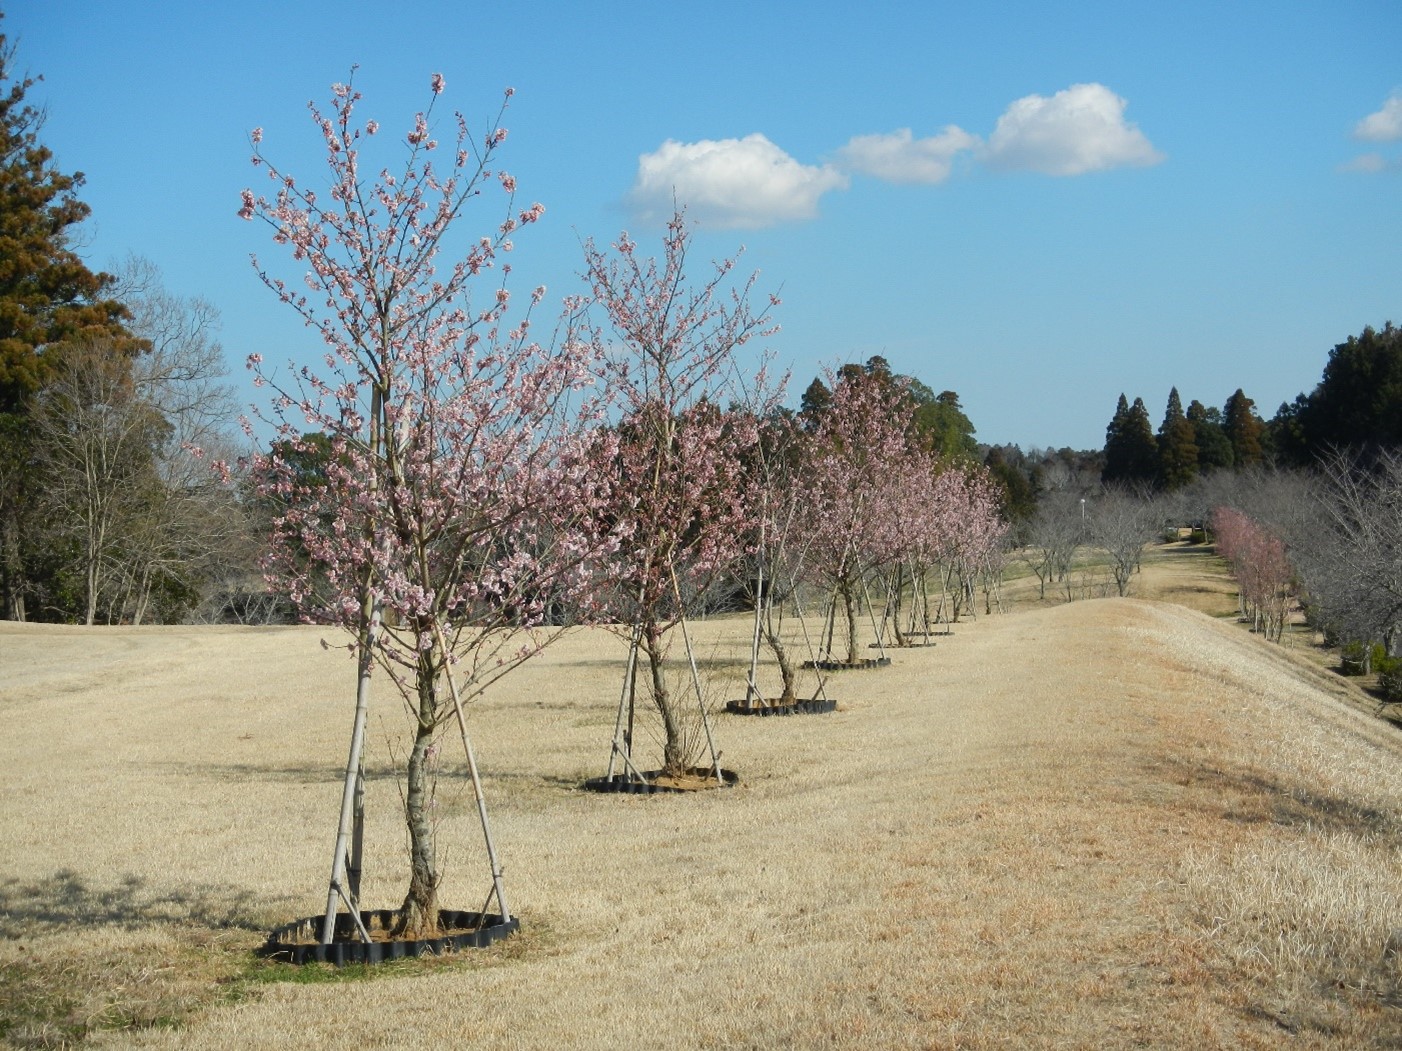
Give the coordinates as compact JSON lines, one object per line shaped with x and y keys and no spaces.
{"x":879,"y":510}
{"x":477,"y":480}
{"x":1265,"y":577}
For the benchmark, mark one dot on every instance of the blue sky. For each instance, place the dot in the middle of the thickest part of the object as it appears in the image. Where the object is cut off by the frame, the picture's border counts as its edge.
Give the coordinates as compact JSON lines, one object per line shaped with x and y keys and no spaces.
{"x":1035,"y":204}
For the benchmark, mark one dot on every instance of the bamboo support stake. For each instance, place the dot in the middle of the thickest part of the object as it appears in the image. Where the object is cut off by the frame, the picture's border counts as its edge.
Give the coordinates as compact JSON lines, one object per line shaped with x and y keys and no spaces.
{"x":476,"y":780}
{"x":353,"y":909}
{"x":886,"y":612}
{"x":752,"y":687}
{"x":871,"y":614}
{"x":808,"y":641}
{"x":346,"y":828}
{"x":696,"y":680}
{"x":628,"y":677}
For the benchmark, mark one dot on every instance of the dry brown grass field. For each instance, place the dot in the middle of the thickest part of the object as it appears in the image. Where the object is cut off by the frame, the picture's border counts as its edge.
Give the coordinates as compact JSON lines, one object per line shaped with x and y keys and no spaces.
{"x":1099,"y":824}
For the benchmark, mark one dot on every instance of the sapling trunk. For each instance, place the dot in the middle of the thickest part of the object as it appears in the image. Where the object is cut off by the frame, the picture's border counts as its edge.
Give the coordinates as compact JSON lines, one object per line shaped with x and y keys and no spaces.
{"x":674,"y":746}
{"x":829,"y":627}
{"x":849,"y":605}
{"x":786,"y":668}
{"x":899,"y":586}
{"x":419,"y":914}
{"x":762,"y":610}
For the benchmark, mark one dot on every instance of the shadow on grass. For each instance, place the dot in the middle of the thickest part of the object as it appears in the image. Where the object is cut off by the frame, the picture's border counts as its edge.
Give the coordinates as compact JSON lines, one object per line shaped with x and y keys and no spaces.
{"x":1257,"y":797}
{"x":65,"y":901}
{"x":293,"y":773}
{"x":83,"y":963}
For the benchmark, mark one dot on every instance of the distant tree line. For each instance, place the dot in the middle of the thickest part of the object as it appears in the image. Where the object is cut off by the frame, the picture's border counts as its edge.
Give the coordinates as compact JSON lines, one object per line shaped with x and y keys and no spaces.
{"x":1189,"y":443}
{"x":1357,"y":405}
{"x":110,"y":398}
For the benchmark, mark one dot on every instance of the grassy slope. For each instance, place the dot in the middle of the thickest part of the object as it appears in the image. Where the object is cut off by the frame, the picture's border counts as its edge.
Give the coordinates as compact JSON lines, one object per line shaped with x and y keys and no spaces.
{"x":1109,"y":824}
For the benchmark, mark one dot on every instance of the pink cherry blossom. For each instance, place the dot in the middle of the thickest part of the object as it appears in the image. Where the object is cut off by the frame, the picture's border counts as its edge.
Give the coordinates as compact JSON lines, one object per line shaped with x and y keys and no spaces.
{"x":437,"y":467}
{"x":682,"y":491}
{"x":1261,"y":565}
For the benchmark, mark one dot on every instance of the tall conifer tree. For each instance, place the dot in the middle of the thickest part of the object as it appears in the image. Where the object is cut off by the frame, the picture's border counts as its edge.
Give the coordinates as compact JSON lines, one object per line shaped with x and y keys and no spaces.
{"x":1131,"y":454}
{"x":1214,"y":450}
{"x":1244,"y":429}
{"x":1178,"y":451}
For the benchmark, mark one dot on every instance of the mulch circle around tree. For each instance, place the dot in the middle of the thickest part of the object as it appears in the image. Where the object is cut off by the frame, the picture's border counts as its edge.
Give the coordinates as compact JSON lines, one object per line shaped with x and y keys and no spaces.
{"x":299,"y":942}
{"x":696,"y":779}
{"x":814,"y":707}
{"x":857,"y":665}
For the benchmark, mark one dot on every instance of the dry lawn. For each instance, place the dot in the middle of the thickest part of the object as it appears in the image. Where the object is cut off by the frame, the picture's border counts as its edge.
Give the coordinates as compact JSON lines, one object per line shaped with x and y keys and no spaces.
{"x":1104,"y":824}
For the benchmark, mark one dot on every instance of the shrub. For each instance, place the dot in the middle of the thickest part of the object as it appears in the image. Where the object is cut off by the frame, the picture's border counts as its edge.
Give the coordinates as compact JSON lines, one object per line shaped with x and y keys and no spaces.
{"x":1389,"y":671}
{"x":1354,"y":658}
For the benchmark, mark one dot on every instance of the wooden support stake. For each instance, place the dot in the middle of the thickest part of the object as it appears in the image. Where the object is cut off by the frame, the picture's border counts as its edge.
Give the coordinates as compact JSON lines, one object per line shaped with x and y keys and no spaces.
{"x":696,"y":679}
{"x":623,"y":698}
{"x":476,"y":780}
{"x":346,"y":828}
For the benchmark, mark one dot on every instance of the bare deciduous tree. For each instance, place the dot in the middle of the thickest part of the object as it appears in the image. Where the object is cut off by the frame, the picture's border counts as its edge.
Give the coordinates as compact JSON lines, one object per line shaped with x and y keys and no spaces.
{"x":1349,"y":552}
{"x":132,"y":507}
{"x":1054,"y":534}
{"x":95,"y":446}
{"x":1121,"y":522}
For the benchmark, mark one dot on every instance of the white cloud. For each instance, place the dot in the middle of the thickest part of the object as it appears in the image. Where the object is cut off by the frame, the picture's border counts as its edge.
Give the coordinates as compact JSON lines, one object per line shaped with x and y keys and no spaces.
{"x":1368,"y":163}
{"x":1372,"y":164}
{"x":902,"y":158}
{"x":1081,"y":129}
{"x":746,"y":182}
{"x":751,"y":182}
{"x":1384,"y":125}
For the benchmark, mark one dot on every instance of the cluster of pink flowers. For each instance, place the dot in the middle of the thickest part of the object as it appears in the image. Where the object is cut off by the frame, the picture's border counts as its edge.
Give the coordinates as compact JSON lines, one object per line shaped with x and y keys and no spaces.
{"x":880,"y":510}
{"x":437,"y":467}
{"x":685,"y":494}
{"x":1261,"y":565}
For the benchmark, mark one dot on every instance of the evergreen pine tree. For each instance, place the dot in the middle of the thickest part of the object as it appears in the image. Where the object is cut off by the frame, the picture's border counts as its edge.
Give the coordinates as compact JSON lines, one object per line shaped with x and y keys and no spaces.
{"x":1244,"y":429}
{"x":1117,"y":462}
{"x":1214,"y":448}
{"x":1177,"y":449}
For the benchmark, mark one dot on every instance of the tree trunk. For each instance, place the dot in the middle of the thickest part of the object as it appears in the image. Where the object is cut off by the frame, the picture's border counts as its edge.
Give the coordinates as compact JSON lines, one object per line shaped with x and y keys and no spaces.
{"x":849,"y":604}
{"x":829,"y":626}
{"x":674,"y":747}
{"x":901,"y":640}
{"x":91,"y":580}
{"x":786,"y":668}
{"x":11,"y":567}
{"x":419,"y":914}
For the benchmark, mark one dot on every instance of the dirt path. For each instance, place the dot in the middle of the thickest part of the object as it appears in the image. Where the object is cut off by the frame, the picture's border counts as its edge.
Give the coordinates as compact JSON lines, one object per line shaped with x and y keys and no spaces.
{"x":1017,"y":837}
